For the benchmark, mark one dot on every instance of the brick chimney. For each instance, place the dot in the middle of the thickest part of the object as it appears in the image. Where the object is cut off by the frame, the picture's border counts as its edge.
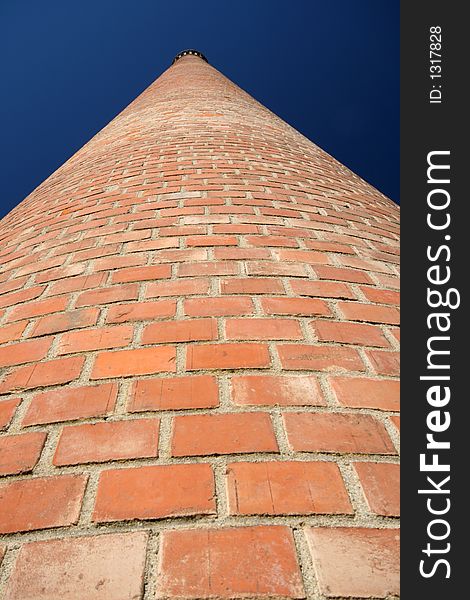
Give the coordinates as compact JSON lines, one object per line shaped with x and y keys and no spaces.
{"x":198,"y":362}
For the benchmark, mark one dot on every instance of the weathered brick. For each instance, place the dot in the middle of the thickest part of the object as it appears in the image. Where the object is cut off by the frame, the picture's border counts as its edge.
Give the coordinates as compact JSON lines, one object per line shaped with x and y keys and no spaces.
{"x":384,"y":363}
{"x":319,"y":358}
{"x":263,"y":329}
{"x":355,"y":311}
{"x":24,"y":352}
{"x":226,"y":563}
{"x":272,"y":390}
{"x":56,"y":501}
{"x":95,"y":339}
{"x":227,"y":356}
{"x":7,"y":410}
{"x":13,"y":332}
{"x":325,"y":289}
{"x":113,"y":440}
{"x":154,"y":492}
{"x":75,"y":284}
{"x":294,"y":306}
{"x":52,"y":372}
{"x":175,"y":393}
{"x":21,"y":296}
{"x":37,"y":308}
{"x":70,"y":404}
{"x":338,"y":274}
{"x":369,"y":559}
{"x":333,"y":432}
{"x":189,"y":330}
{"x":106,"y":295}
{"x":187,"y":287}
{"x":365,"y":392}
{"x":360,"y":334}
{"x":141,"y":274}
{"x":286,"y":488}
{"x":81,"y":567}
{"x":141,"y":361}
{"x":381,"y":485}
{"x":74,"y":319}
{"x":141,"y":311}
{"x":20,"y":453}
{"x":381,"y":296}
{"x":201,"y":435}
{"x":215,"y":307}
{"x":251,"y":285}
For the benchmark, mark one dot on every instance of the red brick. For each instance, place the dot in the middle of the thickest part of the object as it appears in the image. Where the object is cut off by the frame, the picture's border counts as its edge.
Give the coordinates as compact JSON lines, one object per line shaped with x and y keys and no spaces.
{"x":37,"y":308}
{"x":81,"y":567}
{"x":384,"y":363}
{"x":21,"y":296}
{"x":69,"y":404}
{"x":211,"y":240}
{"x":271,"y":241}
{"x":20,"y":453}
{"x":272,"y":390}
{"x":266,"y":268}
{"x":60,"y":273}
{"x":325,"y":289}
{"x":294,"y":306}
{"x":381,"y":296}
{"x":56,"y":502}
{"x":365,"y":392}
{"x":118,"y":262}
{"x":228,"y":563}
{"x":227,"y":356}
{"x":24,"y":352}
{"x":337,"y":274}
{"x":251,"y":285}
{"x":141,"y":311}
{"x":141,"y":274}
{"x":142,"y":361}
{"x":13,"y":332}
{"x":369,"y":559}
{"x":329,"y":247}
{"x":180,"y":255}
{"x":302,"y":256}
{"x":183,"y":230}
{"x":235,"y":229}
{"x":349,"y":333}
{"x":95,"y":339}
{"x":75,"y":284}
{"x":40,"y":265}
{"x":355,"y":311}
{"x":102,"y":442}
{"x":188,"y":287}
{"x":388,"y":281}
{"x":333,"y":432}
{"x":207,"y":307}
{"x":239,"y":433}
{"x":12,"y":285}
{"x":286,"y":488}
{"x":150,"y":245}
{"x":52,"y":372}
{"x":7,"y":410}
{"x":174,"y":393}
{"x":155,"y":492}
{"x":381,"y":485}
{"x":74,"y":319}
{"x":396,"y":421}
{"x":190,"y":330}
{"x":319,"y":358}
{"x":263,"y":329}
{"x":241,"y":253}
{"x":365,"y":265}
{"x":118,"y":293}
{"x":207,"y":269}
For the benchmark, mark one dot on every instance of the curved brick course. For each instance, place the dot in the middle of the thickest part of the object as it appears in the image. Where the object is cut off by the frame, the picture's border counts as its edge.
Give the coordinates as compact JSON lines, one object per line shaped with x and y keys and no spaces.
{"x":198,"y":363}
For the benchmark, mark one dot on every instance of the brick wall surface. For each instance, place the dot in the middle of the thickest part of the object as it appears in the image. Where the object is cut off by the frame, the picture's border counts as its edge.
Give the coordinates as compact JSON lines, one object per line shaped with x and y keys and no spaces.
{"x":198,"y":363}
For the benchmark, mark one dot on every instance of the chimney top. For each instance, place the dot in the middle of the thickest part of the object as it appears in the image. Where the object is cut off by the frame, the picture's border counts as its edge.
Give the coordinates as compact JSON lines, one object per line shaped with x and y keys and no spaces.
{"x":191,"y":52}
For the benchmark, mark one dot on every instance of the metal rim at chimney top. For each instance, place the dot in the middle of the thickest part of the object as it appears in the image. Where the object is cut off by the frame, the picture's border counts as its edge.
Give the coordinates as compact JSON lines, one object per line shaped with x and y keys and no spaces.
{"x":190,"y":52}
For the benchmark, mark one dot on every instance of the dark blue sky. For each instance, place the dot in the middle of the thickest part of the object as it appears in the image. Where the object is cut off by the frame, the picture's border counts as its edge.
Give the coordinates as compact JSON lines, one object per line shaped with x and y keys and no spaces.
{"x":330,"y":68}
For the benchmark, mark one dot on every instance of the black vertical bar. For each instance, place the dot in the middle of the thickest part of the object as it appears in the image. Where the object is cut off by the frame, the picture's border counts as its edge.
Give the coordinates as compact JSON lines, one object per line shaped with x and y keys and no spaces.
{"x":430,"y":127}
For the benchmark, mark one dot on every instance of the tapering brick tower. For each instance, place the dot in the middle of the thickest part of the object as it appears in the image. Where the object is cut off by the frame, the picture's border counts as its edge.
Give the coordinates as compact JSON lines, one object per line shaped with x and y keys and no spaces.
{"x":198,"y":352}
